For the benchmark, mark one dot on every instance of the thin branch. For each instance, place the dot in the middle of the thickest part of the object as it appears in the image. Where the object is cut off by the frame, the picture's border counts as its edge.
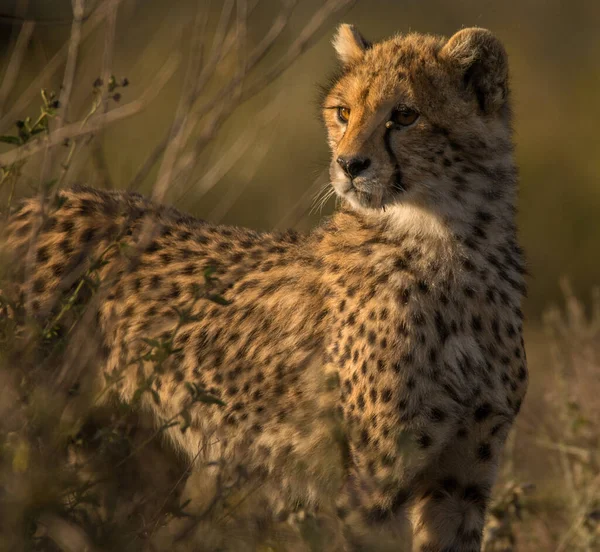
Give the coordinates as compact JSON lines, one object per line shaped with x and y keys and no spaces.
{"x":76,"y":129}
{"x":307,"y":37}
{"x":222,"y":44}
{"x":185,"y":104}
{"x":51,"y":67}
{"x":14,"y":65}
{"x":109,"y":46}
{"x":581,"y":515}
{"x":71,"y":66}
{"x":230,"y":198}
{"x":93,"y":141}
{"x":227,"y":159}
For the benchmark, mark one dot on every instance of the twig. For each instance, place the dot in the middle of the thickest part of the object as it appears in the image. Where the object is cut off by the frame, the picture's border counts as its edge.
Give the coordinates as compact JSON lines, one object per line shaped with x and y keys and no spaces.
{"x":51,"y":67}
{"x":585,"y":455}
{"x":222,"y":102}
{"x":581,"y":515}
{"x":307,"y":37}
{"x":228,"y":200}
{"x":92,"y":141}
{"x":220,"y":47}
{"x":185,"y":104}
{"x":71,"y":66}
{"x":14,"y":65}
{"x":228,"y":98}
{"x":227,"y":159}
{"x":75,"y":129}
{"x":109,"y":47}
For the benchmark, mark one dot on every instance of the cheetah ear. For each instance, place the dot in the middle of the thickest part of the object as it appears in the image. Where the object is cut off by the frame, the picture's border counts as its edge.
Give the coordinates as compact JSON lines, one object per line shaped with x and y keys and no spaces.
{"x":349,"y":44}
{"x":481,"y":60}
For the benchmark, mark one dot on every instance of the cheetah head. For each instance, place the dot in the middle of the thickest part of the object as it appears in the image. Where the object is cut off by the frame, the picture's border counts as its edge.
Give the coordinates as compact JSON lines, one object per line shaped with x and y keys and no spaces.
{"x":418,"y":120}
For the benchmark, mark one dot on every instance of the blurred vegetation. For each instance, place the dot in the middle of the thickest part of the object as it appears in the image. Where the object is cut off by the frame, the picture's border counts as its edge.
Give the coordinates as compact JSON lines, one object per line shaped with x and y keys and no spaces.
{"x":260,"y":166}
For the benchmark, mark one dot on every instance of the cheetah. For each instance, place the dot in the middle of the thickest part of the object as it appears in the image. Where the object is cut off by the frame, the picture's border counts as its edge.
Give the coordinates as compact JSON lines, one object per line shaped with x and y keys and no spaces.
{"x":397,"y":320}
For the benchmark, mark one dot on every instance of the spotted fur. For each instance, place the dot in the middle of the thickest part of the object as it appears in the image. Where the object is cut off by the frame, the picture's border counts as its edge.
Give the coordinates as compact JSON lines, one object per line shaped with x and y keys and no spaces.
{"x":398,"y":319}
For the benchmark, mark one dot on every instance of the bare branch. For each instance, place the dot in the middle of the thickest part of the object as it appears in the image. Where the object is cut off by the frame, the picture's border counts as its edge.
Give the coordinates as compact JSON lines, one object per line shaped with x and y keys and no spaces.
{"x":72,"y":52}
{"x":227,"y":159}
{"x":76,"y":129}
{"x":185,"y":104}
{"x":51,"y":67}
{"x":222,"y":106}
{"x":109,"y":46}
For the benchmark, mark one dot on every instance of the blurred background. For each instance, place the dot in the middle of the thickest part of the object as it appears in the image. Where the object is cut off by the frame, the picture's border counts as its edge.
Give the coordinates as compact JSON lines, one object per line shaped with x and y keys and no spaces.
{"x":219,"y":117}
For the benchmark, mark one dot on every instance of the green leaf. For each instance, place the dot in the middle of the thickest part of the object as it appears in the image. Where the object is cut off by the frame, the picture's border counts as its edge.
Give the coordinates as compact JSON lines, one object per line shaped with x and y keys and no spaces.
{"x":10,"y":140}
{"x":155,"y":397}
{"x":151,"y":342}
{"x":137,"y":395}
{"x":219,"y":299}
{"x":209,"y":399}
{"x":187,"y":420}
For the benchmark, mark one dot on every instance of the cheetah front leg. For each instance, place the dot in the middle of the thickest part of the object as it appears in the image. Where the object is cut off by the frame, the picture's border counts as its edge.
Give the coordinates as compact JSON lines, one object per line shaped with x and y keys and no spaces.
{"x":452,"y":494}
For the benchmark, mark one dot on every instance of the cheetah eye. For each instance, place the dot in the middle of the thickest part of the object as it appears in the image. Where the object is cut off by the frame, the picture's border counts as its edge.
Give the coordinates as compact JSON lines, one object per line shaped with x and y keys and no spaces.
{"x":404,"y":116}
{"x":343,"y":114}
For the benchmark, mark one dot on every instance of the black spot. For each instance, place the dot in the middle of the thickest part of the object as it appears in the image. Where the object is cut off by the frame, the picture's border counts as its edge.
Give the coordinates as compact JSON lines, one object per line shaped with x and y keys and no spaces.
{"x":39,"y":285}
{"x":424,"y":441}
{"x":484,"y":452}
{"x":155,"y":281}
{"x":476,"y":495}
{"x":66,"y":247}
{"x":67,"y":226}
{"x":386,"y":395}
{"x":418,"y":318}
{"x":42,"y":255}
{"x":482,"y":412}
{"x":405,"y":296}
{"x":373,"y":394}
{"x":449,"y":484}
{"x":437,"y":415}
{"x":360,"y":401}
{"x":400,"y":499}
{"x":376,"y":515}
{"x":441,"y":327}
{"x":88,"y":235}
{"x":400,"y":264}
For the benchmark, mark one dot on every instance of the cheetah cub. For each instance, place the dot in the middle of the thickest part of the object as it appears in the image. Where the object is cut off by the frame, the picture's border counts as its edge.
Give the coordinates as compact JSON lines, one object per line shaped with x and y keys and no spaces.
{"x":397,"y":321}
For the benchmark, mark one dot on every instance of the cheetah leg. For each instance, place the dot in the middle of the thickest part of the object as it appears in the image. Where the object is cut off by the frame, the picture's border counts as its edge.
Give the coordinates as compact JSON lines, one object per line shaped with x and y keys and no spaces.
{"x":368,"y":526}
{"x":450,"y":501}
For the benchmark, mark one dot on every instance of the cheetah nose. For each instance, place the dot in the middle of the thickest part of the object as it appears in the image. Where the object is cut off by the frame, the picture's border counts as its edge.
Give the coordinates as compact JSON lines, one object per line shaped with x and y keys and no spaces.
{"x":354,"y":165}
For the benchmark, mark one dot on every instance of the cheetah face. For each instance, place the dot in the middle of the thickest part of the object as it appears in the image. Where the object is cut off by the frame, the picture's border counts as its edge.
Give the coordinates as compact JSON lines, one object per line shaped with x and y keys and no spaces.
{"x":407,"y":116}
